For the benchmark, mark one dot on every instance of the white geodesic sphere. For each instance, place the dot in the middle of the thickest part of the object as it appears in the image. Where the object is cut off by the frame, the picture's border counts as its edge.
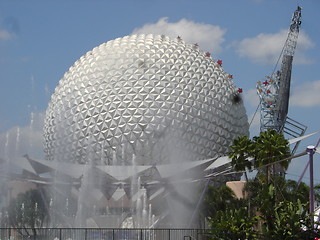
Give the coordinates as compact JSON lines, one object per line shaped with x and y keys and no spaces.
{"x":155,"y":97}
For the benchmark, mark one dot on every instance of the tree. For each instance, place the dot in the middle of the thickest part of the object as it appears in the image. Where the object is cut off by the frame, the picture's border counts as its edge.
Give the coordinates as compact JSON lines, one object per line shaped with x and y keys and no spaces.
{"x":220,"y":199}
{"x":294,"y":192}
{"x":267,"y":150}
{"x":270,"y":147}
{"x":317,"y":192}
{"x":280,"y":204}
{"x":29,"y":211}
{"x":261,"y":152}
{"x":280,"y":207}
{"x":233,"y":224}
{"x":240,"y":154}
{"x":291,"y":221}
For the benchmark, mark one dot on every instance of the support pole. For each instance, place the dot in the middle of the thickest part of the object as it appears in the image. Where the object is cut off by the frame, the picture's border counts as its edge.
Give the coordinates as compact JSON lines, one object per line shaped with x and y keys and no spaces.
{"x":311,"y":150}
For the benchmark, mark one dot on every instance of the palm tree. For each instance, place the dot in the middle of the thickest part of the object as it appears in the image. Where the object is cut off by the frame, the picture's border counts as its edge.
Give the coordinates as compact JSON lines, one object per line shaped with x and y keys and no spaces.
{"x":240,"y":154}
{"x":271,"y":147}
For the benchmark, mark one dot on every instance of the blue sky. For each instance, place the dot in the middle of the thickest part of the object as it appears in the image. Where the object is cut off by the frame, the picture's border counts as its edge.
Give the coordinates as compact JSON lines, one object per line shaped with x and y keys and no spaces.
{"x":40,"y":40}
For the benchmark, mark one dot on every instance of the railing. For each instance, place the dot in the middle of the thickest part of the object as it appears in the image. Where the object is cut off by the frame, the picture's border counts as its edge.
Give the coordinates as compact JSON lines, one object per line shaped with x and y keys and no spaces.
{"x":100,"y":234}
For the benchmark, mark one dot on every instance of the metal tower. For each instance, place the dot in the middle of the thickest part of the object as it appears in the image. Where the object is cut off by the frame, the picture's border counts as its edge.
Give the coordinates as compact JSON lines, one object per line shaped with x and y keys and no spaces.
{"x":274,"y":91}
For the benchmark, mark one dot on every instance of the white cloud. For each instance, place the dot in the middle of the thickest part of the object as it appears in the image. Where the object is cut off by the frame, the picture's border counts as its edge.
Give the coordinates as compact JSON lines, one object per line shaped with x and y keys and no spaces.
{"x":18,"y":141}
{"x":251,"y":97}
{"x":304,"y":43}
{"x":5,"y":35}
{"x":306,"y":95}
{"x":266,"y":48}
{"x":209,"y":37}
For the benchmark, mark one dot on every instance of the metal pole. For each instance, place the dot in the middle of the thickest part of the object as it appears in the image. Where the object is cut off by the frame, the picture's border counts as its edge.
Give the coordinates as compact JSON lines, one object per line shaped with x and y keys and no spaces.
{"x":311,"y":150}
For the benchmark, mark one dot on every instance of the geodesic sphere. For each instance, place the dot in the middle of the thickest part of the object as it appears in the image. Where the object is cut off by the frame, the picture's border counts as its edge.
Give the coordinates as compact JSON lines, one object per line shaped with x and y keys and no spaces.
{"x":155,"y":97}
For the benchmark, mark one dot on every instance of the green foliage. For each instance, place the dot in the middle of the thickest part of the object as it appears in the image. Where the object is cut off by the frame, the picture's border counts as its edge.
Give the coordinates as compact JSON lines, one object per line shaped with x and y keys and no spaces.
{"x":260,"y":152}
{"x":317,"y":192}
{"x":291,"y":191}
{"x":277,"y":200}
{"x":280,"y":215}
{"x":271,"y":147}
{"x":220,"y":199}
{"x":233,"y":224}
{"x":279,"y":206}
{"x":241,"y":152}
{"x":227,"y":215}
{"x":283,"y":189}
{"x":289,"y":221}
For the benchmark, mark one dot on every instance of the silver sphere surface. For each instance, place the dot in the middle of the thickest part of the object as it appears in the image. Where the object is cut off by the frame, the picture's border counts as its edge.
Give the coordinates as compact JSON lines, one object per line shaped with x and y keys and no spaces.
{"x":153,"y":97}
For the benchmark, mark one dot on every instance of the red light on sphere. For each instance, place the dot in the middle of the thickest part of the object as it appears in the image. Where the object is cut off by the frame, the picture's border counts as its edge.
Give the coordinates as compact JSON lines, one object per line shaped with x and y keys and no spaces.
{"x":219,"y":62}
{"x":240,"y":90}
